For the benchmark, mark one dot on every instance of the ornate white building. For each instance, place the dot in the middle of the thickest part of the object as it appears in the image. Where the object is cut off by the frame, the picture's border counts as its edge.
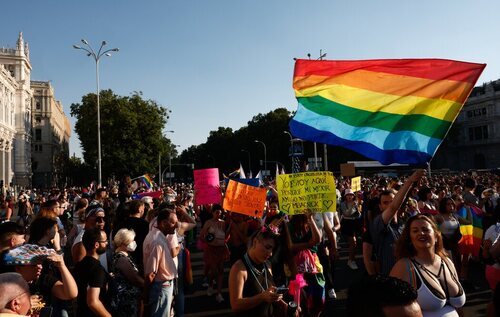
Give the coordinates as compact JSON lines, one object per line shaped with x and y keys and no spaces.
{"x":15,"y":114}
{"x":51,"y":133}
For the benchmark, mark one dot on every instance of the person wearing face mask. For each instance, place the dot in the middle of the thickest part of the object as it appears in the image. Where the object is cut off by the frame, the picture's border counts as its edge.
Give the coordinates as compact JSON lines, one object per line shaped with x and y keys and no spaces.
{"x":127,"y":283}
{"x":91,"y":277}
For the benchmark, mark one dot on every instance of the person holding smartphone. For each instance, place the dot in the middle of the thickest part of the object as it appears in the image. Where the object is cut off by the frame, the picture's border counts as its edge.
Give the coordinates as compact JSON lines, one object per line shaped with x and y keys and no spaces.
{"x":252,"y":291}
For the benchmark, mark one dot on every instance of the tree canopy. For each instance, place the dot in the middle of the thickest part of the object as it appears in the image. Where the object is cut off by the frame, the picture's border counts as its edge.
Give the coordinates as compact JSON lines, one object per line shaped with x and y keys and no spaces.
{"x":224,"y":146}
{"x":131,"y":133}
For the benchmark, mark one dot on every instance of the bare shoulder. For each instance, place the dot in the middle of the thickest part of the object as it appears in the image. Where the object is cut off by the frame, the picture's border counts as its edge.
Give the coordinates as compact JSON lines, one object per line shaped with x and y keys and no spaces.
{"x":400,"y":269}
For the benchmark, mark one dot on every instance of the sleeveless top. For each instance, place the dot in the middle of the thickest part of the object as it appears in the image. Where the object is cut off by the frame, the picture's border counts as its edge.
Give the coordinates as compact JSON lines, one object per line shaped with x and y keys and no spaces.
{"x":433,"y":306}
{"x":256,"y":284}
{"x":217,"y":229}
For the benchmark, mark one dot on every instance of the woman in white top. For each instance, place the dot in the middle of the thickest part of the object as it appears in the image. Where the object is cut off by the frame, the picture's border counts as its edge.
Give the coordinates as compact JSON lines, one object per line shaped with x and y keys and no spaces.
{"x":424,"y":264}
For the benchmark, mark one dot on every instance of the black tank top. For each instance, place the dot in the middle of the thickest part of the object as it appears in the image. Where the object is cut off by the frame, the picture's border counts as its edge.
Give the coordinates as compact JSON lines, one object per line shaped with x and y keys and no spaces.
{"x":252,"y":288}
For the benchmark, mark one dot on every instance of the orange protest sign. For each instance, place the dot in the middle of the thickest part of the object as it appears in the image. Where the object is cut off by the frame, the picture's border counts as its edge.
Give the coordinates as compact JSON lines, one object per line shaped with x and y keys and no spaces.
{"x":245,"y":199}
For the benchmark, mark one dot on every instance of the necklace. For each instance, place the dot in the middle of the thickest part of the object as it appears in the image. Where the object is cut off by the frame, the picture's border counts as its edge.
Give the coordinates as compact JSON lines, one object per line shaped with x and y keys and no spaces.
{"x":256,"y":272}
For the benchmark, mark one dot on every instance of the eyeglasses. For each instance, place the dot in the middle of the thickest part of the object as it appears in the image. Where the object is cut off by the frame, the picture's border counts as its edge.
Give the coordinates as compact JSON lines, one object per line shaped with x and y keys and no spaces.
{"x":99,"y":219}
{"x":17,"y":296}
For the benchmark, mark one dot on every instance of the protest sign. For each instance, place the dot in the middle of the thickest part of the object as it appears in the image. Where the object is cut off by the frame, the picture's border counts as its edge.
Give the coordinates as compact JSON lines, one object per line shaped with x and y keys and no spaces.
{"x":347,"y":169}
{"x":356,"y":184}
{"x":248,"y":181}
{"x":206,"y":186}
{"x":245,"y":199}
{"x":314,"y":191}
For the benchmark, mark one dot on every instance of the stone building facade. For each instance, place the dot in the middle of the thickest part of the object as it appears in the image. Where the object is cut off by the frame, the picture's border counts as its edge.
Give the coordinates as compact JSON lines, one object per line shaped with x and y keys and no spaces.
{"x":474,"y":139}
{"x":50,"y":139}
{"x":15,"y":114}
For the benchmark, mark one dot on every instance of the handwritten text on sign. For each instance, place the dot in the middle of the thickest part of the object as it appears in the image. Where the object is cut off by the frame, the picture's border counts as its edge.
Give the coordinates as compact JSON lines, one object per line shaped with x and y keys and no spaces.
{"x":314,"y":191}
{"x":356,"y":184}
{"x":206,"y":186}
{"x":245,"y":199}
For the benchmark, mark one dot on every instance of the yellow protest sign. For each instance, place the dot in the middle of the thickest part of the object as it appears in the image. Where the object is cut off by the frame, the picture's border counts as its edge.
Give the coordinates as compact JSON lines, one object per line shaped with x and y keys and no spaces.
{"x":314,"y":191}
{"x":245,"y":199}
{"x":356,"y":184}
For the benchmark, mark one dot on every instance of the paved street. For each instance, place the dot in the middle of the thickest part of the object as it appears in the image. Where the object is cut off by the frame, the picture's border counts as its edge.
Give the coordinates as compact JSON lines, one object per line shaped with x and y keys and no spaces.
{"x":199,"y":304}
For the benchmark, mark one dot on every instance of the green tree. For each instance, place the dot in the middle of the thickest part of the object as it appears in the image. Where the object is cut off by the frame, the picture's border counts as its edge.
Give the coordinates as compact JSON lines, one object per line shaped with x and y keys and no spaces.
{"x":223,"y":146}
{"x":131,"y":133}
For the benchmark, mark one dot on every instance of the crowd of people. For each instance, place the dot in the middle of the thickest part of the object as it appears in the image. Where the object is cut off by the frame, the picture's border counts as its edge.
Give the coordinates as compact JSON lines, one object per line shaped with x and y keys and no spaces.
{"x":111,"y":252}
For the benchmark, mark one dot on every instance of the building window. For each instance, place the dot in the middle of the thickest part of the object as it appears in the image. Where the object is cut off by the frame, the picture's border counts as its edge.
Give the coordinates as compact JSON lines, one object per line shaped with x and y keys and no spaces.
{"x":38,"y":120}
{"x":38,"y":148}
{"x":469,"y":114}
{"x":38,"y":106}
{"x":478,"y":133}
{"x":483,"y":111}
{"x":38,"y":134}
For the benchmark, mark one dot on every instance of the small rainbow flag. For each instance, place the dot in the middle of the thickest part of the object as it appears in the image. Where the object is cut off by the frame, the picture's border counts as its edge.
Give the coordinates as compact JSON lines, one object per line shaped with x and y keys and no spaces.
{"x":146,"y":181}
{"x":472,"y":235}
{"x":392,"y":110}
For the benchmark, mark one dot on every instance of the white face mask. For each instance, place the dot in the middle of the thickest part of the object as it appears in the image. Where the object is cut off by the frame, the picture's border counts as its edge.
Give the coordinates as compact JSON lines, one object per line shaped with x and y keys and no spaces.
{"x":132,"y":246}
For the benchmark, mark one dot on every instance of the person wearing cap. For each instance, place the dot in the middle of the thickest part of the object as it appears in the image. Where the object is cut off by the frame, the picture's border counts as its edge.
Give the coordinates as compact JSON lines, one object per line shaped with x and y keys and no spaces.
{"x":14,"y":295}
{"x":350,"y":224}
{"x":94,"y":218}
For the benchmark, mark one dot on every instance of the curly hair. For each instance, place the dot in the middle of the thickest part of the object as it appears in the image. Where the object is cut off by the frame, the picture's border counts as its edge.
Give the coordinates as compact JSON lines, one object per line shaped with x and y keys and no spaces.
{"x":404,"y":246}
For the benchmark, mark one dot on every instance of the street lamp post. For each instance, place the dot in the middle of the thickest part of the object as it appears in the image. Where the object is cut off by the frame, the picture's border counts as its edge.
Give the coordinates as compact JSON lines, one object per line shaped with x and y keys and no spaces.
{"x":249,"y":164}
{"x":265,"y":153}
{"x":160,"y":180}
{"x":97,"y":56}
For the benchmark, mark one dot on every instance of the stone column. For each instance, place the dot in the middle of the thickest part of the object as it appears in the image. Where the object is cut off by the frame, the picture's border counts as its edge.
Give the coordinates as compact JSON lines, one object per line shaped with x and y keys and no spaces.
{"x":2,"y":161}
{"x":8,"y":164}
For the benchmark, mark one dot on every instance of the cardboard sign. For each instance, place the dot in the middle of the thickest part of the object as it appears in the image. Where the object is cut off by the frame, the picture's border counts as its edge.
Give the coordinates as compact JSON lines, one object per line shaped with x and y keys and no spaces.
{"x":356,"y":184}
{"x":347,"y":169}
{"x":314,"y":191}
{"x":245,"y":199}
{"x":206,"y":186}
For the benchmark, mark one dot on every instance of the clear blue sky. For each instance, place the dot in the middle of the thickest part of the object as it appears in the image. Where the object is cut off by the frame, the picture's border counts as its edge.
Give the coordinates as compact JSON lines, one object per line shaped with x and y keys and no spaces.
{"x":220,"y":62}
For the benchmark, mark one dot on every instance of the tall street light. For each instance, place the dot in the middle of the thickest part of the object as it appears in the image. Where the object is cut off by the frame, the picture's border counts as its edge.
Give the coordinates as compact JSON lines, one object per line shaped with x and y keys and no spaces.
{"x":160,"y":180}
{"x":97,"y":56}
{"x":265,"y":153}
{"x":249,"y":164}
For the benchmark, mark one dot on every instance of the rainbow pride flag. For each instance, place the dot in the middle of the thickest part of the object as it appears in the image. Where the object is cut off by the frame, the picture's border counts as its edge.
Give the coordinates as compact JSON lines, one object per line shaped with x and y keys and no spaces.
{"x":146,"y":180}
{"x":393,"y":110}
{"x":472,"y":235}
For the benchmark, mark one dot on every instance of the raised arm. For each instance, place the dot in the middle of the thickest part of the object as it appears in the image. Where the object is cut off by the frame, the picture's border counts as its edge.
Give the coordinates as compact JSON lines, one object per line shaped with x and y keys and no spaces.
{"x":393,"y":208}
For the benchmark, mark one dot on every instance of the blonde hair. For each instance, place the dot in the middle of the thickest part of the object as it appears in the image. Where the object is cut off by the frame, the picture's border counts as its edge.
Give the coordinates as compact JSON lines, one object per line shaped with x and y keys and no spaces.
{"x":123,"y":237}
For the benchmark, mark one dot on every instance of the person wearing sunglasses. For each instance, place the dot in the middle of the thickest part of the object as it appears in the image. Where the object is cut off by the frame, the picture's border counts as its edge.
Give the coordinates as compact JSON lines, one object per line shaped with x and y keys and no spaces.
{"x":94,"y":218}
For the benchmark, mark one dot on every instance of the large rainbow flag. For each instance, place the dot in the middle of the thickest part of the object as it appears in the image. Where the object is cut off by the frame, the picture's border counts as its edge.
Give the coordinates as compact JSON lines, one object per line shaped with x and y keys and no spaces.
{"x":393,"y":110}
{"x":472,"y":235}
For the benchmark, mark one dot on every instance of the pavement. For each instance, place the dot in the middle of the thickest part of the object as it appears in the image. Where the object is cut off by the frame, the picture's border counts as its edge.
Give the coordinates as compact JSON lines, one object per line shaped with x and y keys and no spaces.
{"x":199,"y":304}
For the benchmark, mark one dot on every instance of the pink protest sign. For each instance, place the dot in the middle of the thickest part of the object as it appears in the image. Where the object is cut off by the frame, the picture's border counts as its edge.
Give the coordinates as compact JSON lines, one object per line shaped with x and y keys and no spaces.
{"x":206,"y":186}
